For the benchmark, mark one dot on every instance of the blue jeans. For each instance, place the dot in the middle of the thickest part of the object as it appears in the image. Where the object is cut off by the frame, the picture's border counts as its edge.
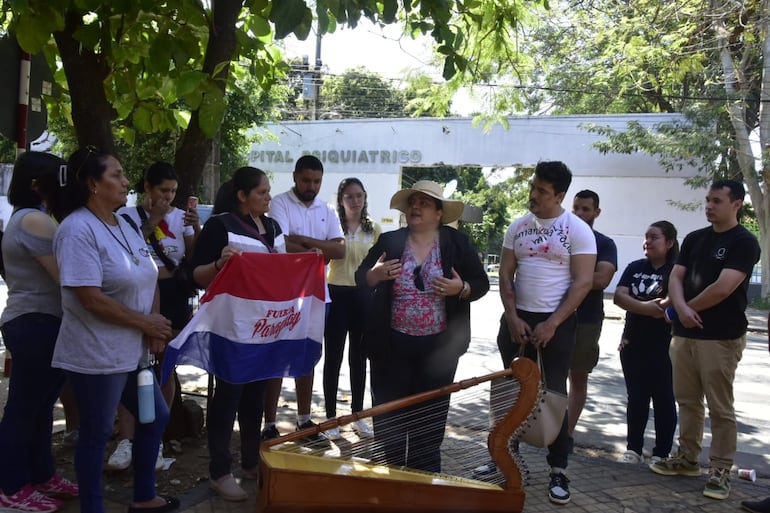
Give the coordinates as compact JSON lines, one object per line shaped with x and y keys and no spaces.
{"x":25,"y":429}
{"x":97,"y":396}
{"x":248,"y":402}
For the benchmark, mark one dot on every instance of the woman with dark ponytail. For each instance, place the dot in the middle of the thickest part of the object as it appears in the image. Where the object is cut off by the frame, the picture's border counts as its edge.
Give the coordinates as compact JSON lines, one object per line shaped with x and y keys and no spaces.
{"x":643,"y":292}
{"x":30,"y":324}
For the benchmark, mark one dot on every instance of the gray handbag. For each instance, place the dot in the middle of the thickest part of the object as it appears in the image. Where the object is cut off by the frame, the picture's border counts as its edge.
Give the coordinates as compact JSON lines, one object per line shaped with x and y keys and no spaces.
{"x":544,"y":423}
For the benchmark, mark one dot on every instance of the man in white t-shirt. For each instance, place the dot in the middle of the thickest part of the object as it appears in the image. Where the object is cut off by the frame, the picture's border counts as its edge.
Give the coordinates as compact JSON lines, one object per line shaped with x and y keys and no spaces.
{"x":546,"y":269}
{"x":308,"y":224}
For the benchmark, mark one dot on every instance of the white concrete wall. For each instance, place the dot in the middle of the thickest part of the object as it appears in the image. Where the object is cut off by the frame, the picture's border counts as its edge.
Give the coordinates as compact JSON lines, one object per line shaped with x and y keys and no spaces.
{"x":634,"y":190}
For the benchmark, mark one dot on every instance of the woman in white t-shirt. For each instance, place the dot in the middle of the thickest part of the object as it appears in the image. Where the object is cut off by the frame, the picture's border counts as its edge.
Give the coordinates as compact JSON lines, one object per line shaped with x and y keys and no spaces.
{"x":174,"y":231}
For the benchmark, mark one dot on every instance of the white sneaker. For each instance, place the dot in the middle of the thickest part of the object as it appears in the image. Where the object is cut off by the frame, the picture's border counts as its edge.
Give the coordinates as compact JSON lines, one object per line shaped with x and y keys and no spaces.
{"x":362,"y":428}
{"x":655,"y":459}
{"x":632,"y":457}
{"x":160,"y":461}
{"x":121,"y":458}
{"x":333,"y":433}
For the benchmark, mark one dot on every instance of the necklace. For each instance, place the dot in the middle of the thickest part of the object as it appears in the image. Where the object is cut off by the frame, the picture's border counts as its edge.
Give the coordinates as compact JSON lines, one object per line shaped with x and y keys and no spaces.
{"x":125,"y":246}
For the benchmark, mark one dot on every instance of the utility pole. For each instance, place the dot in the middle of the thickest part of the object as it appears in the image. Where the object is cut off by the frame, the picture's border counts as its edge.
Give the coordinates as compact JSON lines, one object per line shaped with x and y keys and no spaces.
{"x":317,"y":76}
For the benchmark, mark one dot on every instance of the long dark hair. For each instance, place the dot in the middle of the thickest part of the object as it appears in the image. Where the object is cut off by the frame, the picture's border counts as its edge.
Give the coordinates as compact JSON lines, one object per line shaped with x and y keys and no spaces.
{"x":38,"y":177}
{"x":366,"y":222}
{"x":244,"y":179}
{"x":669,"y":233}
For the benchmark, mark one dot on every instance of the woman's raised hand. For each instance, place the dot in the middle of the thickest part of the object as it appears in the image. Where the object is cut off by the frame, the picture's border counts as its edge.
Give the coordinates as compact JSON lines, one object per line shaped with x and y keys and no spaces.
{"x":383,"y":270}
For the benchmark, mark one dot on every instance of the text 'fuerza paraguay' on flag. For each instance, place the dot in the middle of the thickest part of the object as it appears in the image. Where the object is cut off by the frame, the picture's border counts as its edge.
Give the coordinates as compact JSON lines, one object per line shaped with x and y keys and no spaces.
{"x":262,"y":317}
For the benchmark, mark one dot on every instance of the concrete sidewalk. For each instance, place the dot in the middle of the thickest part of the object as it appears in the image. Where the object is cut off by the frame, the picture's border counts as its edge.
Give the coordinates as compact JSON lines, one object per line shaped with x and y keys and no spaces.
{"x":597,"y":481}
{"x":597,"y":484}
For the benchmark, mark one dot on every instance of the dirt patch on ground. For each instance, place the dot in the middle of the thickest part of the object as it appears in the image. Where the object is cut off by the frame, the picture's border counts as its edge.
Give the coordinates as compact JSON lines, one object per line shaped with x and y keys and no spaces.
{"x":189,"y":469}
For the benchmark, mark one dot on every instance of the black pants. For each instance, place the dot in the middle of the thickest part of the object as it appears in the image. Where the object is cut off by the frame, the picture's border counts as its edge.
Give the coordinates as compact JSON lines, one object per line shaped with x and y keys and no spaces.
{"x":556,"y":361}
{"x":648,"y":375}
{"x":248,"y":402}
{"x":412,"y":436}
{"x":345,"y":320}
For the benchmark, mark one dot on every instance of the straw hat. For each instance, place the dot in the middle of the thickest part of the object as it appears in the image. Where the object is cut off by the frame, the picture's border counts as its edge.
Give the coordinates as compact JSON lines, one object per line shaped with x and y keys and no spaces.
{"x":451,"y":210}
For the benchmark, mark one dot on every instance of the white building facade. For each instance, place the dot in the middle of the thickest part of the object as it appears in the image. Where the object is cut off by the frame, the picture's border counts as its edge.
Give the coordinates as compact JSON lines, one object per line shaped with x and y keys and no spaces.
{"x":634,"y":190}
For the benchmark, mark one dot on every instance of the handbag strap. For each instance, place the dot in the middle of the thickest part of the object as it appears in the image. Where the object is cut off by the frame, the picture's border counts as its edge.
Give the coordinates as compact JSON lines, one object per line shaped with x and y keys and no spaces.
{"x":254,"y":232}
{"x":155,"y":243}
{"x":541,"y":366}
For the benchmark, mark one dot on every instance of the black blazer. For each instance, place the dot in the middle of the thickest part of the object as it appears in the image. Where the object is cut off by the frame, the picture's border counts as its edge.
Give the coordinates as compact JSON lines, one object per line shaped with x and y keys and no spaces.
{"x":456,"y":251}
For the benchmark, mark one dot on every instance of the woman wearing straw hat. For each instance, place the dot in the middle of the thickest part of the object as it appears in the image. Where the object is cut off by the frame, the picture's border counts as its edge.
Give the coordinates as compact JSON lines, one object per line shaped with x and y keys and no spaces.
{"x":423,"y":278}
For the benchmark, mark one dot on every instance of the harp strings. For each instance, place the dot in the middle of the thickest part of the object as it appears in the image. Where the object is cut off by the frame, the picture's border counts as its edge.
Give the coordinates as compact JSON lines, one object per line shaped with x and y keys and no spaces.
{"x":472,"y":414}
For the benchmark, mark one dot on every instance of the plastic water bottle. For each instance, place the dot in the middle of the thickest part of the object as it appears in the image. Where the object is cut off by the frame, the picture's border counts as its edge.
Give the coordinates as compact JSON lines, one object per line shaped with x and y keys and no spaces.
{"x":146,"y":396}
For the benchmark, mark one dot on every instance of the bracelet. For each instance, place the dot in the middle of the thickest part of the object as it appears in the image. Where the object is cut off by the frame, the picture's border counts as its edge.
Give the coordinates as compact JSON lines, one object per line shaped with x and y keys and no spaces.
{"x":215,"y":265}
{"x":465,"y":291}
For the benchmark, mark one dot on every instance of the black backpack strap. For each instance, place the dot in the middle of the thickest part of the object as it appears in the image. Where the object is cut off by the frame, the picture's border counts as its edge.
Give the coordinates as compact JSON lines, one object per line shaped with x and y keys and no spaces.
{"x":132,"y":223}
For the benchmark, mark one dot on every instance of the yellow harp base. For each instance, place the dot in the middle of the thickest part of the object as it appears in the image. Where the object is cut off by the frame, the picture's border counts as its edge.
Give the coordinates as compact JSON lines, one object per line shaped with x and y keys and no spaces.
{"x":292,"y":482}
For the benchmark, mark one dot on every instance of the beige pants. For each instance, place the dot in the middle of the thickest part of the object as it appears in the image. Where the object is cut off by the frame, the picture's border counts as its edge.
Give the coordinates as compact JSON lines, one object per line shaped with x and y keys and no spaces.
{"x":706,"y":368}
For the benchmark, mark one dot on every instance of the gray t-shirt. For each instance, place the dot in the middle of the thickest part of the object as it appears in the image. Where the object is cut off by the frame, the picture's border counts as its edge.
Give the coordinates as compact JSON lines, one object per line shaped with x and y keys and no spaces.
{"x":89,"y":256}
{"x":30,"y":288}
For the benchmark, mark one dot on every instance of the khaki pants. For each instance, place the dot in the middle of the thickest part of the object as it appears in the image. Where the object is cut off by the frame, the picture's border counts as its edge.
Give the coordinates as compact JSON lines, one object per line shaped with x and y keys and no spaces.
{"x":706,"y":368}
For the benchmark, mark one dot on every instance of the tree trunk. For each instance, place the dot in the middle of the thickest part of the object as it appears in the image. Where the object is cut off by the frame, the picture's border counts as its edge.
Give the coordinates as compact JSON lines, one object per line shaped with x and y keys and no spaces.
{"x":764,"y":145}
{"x":195,"y":148}
{"x":86,"y":72}
{"x":736,"y":87}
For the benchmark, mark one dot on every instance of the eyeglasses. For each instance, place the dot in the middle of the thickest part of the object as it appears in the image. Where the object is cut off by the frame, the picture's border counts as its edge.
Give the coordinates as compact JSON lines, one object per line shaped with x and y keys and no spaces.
{"x":418,"y":278}
{"x":91,"y":149}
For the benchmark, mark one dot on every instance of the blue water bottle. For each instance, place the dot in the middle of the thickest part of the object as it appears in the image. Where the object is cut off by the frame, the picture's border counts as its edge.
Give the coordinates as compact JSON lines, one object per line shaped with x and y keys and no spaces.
{"x":145,"y":381}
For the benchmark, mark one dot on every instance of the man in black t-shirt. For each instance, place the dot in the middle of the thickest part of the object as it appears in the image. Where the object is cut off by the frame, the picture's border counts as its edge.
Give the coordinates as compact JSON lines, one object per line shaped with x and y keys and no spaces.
{"x":590,"y":313}
{"x":708,"y":289}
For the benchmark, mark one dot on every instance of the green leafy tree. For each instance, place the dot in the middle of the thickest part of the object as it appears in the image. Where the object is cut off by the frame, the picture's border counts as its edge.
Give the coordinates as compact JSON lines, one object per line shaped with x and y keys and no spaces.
{"x":359,"y":93}
{"x":707,"y":60}
{"x":165,"y":66}
{"x":501,"y":202}
{"x":425,"y":98}
{"x":7,"y":150}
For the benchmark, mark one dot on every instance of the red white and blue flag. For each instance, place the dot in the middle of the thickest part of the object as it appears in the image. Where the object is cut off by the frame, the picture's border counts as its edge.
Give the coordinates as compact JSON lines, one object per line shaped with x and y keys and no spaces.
{"x":262,"y":317}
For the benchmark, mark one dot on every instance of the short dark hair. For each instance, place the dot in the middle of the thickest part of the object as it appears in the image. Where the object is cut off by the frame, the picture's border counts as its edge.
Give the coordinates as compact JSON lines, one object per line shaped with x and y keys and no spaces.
{"x":308,"y":162}
{"x":737,"y":191}
{"x":155,"y":174}
{"x":556,"y":173}
{"x":588,"y":194}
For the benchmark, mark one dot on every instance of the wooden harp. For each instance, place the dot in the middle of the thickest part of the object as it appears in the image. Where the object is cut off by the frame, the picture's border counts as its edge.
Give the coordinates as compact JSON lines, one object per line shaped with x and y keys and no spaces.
{"x":296,"y":479}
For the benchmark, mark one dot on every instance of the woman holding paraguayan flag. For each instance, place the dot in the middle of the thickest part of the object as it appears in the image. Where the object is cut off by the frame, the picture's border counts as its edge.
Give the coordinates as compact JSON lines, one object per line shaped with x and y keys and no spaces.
{"x":245,"y":228}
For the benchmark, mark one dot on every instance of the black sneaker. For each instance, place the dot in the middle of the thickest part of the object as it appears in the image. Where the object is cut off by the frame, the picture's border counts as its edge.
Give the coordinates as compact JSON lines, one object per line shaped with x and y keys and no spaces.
{"x":318,"y":439}
{"x":269,"y":433}
{"x":558,"y":489}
